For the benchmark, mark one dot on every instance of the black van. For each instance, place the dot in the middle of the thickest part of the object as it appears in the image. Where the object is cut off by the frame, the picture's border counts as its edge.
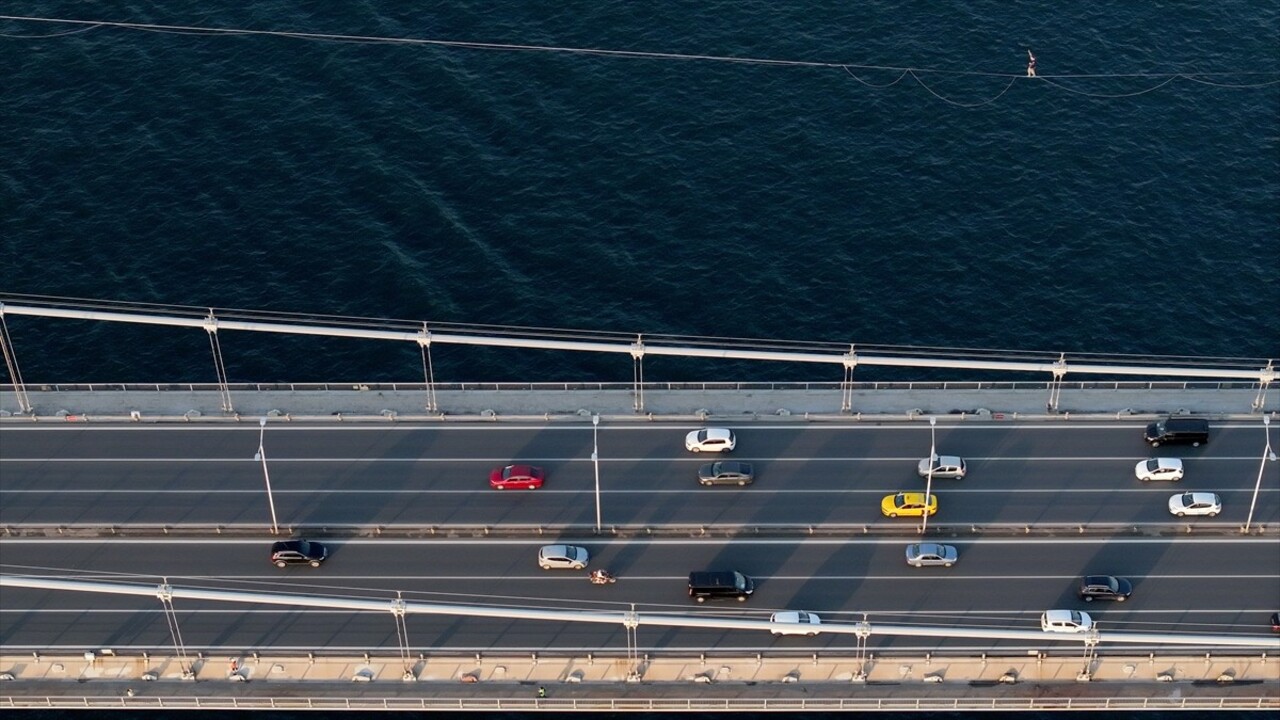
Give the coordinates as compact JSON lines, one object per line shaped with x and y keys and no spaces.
{"x":721,"y":584}
{"x":1178,"y":431}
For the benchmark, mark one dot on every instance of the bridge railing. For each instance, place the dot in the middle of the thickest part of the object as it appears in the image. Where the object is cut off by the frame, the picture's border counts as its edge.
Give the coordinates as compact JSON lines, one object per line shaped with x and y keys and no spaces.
{"x":668,"y":704}
{"x":630,"y":387}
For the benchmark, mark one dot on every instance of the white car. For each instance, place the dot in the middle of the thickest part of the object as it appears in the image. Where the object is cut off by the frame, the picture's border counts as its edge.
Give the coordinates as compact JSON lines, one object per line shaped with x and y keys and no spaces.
{"x":571,"y":557}
{"x":1195,"y":503}
{"x":1159,"y":469}
{"x":944,"y":466}
{"x":1066,"y":621}
{"x":710,"y":440}
{"x":795,"y":622}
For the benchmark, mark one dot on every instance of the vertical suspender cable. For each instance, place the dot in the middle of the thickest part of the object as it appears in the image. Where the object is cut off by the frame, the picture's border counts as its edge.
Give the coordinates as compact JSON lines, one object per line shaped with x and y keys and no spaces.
{"x":11,"y":362}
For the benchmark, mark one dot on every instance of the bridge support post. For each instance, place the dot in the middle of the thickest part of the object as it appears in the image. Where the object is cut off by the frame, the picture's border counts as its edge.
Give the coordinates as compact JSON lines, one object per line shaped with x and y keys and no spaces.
{"x":11,"y":362}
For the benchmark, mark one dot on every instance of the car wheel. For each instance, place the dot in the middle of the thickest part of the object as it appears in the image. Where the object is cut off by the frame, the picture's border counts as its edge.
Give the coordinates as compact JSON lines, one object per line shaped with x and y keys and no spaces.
{"x":893,"y":514}
{"x":1213,"y":514}
{"x":741,"y":483}
{"x":695,"y":449}
{"x":946,"y":564}
{"x":1088,"y":598}
{"x":1176,"y":479}
{"x":1121,"y":599}
{"x":701,"y":599}
{"x":578,"y":566}
{"x":281,"y":563}
{"x":1155,"y":444}
{"x":315,"y":563}
{"x":531,"y":487}
{"x":1195,"y":444}
{"x":705,"y":483}
{"x":1146,"y":479}
{"x":742,"y":598}
{"x":1182,"y":514}
{"x":502,"y":487}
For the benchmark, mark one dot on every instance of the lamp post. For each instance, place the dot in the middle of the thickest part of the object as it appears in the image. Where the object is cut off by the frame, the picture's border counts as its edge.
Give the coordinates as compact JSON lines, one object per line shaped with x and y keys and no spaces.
{"x":595,"y":461}
{"x":1267,"y":454}
{"x":261,"y":456}
{"x":928,"y":487}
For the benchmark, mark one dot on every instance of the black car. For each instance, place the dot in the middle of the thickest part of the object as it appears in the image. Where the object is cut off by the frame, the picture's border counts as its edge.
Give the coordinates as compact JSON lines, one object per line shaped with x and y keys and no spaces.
{"x":1178,"y":431}
{"x":298,"y":552}
{"x":1275,"y":622}
{"x":1105,"y":587}
{"x":712,"y":584}
{"x":726,"y":472}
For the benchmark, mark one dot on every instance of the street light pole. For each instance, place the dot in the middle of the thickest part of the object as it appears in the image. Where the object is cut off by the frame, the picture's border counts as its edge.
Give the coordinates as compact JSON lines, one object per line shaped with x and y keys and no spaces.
{"x":928,"y":487}
{"x":266,"y":476}
{"x":595,"y":461}
{"x":1266,"y":455}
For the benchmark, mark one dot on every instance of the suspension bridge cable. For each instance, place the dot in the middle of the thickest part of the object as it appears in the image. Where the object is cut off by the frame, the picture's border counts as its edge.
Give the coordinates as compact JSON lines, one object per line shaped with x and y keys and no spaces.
{"x":1200,"y":77}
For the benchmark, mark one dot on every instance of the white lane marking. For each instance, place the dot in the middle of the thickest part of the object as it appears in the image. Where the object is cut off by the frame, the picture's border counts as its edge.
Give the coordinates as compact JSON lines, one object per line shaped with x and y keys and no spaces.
{"x":567,"y":576}
{"x":490,"y":461}
{"x":482,"y":426}
{"x":590,"y":542}
{"x":734,"y":491}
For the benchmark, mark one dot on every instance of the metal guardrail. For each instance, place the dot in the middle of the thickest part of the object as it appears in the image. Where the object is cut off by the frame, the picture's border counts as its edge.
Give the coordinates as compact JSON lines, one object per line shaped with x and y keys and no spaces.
{"x":629,"y":387}
{"x":638,"y":704}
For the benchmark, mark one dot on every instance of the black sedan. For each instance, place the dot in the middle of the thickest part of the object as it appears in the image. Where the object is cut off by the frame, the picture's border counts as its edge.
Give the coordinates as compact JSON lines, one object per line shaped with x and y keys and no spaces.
{"x":1105,"y":587}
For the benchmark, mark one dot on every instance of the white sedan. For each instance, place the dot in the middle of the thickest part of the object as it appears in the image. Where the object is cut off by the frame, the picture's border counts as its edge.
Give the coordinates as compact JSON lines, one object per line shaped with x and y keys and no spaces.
{"x":571,"y":557}
{"x":710,"y":440}
{"x":1195,"y":503}
{"x":795,"y":622}
{"x":1159,"y":469}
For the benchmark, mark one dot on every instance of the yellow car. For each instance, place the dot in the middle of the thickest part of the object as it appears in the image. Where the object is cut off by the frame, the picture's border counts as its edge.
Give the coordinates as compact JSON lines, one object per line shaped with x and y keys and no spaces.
{"x":908,"y":504}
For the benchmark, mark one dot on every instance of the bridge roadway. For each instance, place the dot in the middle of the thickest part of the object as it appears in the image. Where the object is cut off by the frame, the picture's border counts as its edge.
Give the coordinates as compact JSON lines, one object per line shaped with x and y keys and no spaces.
{"x":1190,"y":575}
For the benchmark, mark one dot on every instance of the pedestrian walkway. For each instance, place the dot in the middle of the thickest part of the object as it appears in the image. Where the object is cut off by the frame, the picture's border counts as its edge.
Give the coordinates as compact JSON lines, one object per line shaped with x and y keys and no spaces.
{"x":469,"y":681}
{"x":355,"y":402}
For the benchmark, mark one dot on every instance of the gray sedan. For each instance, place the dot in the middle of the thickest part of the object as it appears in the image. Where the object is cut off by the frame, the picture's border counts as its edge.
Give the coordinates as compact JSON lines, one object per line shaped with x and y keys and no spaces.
{"x":726,"y":472}
{"x":927,"y":554}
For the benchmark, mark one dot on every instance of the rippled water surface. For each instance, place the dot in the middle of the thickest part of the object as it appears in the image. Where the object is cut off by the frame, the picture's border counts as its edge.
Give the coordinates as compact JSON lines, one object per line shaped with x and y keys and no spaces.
{"x":696,"y":197}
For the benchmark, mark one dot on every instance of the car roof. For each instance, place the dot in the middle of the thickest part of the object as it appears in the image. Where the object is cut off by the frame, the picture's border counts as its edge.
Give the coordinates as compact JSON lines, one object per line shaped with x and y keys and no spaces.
{"x":950,"y":460}
{"x":717,"y":433}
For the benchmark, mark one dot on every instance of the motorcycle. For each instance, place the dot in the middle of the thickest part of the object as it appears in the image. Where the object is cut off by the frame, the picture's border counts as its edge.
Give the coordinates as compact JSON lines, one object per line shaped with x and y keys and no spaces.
{"x":601,"y":577}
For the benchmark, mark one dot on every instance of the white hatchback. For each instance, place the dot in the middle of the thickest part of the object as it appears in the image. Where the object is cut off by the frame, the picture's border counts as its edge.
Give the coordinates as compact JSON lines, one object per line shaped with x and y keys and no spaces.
{"x":569,"y":557}
{"x":1066,"y":621}
{"x":1195,"y":503}
{"x":1159,"y":469}
{"x":944,"y":466}
{"x":710,"y":440}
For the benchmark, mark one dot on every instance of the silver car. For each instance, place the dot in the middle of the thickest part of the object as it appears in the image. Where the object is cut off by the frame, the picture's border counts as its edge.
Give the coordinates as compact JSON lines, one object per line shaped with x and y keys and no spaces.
{"x":571,"y":557}
{"x":947,"y":467}
{"x":928,"y":554}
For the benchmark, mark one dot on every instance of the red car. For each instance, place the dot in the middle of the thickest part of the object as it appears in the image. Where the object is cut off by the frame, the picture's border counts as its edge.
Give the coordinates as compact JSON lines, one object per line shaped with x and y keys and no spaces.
{"x":519,"y":477}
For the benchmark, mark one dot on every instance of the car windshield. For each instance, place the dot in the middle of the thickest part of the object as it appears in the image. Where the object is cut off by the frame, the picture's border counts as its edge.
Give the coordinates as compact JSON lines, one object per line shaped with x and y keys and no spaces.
{"x":739,"y":581}
{"x":304,"y":547}
{"x":702,"y":436}
{"x":1188,"y":499}
{"x":1111,"y":584}
{"x":1153,"y":464}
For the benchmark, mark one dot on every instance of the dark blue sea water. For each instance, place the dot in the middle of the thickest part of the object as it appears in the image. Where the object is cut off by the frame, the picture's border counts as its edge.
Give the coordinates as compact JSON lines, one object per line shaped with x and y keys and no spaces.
{"x":696,"y":197}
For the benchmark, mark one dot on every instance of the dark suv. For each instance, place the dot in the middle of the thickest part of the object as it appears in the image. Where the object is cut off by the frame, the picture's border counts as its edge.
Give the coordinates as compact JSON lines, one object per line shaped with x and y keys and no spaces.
{"x":720,"y":584}
{"x":1178,"y":431}
{"x":298,"y":552}
{"x":1105,"y":587}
